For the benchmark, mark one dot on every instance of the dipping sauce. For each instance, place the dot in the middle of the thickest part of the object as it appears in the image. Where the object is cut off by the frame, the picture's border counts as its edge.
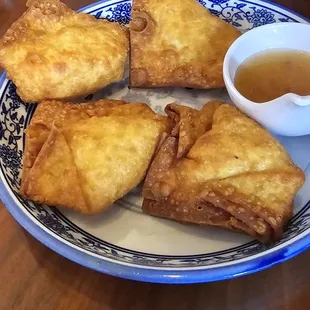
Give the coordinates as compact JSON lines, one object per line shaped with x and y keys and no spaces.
{"x":273,"y":73}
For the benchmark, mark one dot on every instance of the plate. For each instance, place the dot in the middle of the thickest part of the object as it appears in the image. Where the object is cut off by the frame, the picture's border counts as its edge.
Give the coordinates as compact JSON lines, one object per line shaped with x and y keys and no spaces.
{"x":123,"y":241}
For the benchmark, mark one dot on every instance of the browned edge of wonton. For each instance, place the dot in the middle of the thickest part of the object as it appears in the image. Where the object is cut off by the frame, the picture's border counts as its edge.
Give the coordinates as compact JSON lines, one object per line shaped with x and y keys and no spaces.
{"x":44,"y":118}
{"x":244,"y":212}
{"x":165,"y":50}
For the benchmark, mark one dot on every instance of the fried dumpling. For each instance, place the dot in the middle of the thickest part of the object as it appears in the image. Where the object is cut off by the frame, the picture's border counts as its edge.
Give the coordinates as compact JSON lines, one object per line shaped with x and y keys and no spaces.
{"x":49,"y":114}
{"x":235,"y":175}
{"x":86,"y":156}
{"x":177,"y":43}
{"x":53,"y":52}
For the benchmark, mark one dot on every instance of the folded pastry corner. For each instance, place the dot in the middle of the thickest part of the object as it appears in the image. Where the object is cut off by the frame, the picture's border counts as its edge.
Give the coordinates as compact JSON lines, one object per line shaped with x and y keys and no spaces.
{"x":233,"y":174}
{"x":86,"y":156}
{"x":53,"y":113}
{"x":177,"y":43}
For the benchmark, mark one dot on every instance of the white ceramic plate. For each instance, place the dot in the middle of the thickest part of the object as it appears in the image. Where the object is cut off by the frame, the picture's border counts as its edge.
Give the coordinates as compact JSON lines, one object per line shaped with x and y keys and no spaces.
{"x":125,"y":242}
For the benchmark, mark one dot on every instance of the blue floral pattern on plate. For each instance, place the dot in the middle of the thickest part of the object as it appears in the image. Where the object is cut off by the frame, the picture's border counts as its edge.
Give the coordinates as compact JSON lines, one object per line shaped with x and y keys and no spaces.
{"x":15,"y":115}
{"x":241,"y":14}
{"x":120,"y":13}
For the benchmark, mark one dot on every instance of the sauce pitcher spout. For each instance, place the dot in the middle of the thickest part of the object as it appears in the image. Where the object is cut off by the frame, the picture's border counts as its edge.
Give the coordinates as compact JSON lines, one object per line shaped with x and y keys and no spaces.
{"x":301,"y":101}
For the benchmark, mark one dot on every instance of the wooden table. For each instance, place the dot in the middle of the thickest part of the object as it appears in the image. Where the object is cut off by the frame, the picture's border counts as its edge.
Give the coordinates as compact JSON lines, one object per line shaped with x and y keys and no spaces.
{"x":35,"y":278}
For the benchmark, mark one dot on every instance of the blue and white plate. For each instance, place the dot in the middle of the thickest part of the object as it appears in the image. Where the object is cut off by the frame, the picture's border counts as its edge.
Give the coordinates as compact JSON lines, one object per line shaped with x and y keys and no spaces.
{"x":125,"y":242}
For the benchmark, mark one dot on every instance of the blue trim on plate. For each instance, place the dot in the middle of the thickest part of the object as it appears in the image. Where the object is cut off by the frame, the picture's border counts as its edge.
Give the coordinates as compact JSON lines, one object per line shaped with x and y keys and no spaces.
{"x":202,"y":255}
{"x":2,"y":78}
{"x":246,"y":1}
{"x":267,"y":7}
{"x":306,"y":19}
{"x":147,"y":274}
{"x":296,"y":217}
{"x":1,"y":85}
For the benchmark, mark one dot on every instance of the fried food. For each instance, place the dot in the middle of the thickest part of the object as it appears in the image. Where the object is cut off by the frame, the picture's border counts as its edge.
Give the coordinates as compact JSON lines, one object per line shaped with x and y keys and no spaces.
{"x":234,"y":175}
{"x":86,"y":156}
{"x":56,"y":113}
{"x":53,"y":52}
{"x":177,"y":43}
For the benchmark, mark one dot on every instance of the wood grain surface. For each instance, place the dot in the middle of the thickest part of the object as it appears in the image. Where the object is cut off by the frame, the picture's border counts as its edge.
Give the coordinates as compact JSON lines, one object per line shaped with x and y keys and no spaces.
{"x":34,"y":278}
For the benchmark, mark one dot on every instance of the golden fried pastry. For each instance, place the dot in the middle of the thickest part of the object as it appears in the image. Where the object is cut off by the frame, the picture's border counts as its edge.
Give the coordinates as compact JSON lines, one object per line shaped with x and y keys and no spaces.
{"x":234,"y":175}
{"x":53,"y":52}
{"x":86,"y":156}
{"x":177,"y":43}
{"x":49,"y":113}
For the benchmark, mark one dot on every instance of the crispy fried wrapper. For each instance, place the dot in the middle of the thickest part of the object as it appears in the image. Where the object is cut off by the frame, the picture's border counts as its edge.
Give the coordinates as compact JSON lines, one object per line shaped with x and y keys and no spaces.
{"x":85,"y":156}
{"x":53,"y":52}
{"x":221,"y":168}
{"x":177,"y":43}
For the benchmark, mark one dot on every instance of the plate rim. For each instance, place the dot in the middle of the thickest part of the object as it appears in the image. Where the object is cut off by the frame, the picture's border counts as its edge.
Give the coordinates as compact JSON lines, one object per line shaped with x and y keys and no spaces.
{"x":268,"y":2}
{"x":171,"y":276}
{"x":144,"y":273}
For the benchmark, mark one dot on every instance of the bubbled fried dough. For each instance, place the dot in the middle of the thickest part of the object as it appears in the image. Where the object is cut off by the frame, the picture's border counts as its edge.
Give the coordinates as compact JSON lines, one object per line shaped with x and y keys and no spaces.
{"x":53,"y":52}
{"x":86,"y":156}
{"x":234,"y":174}
{"x":177,"y":43}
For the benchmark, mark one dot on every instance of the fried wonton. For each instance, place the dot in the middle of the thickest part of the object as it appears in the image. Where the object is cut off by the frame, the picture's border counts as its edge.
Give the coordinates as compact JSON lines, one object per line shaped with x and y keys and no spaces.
{"x":86,"y":156}
{"x":53,"y":52}
{"x":234,"y":175}
{"x":177,"y":43}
